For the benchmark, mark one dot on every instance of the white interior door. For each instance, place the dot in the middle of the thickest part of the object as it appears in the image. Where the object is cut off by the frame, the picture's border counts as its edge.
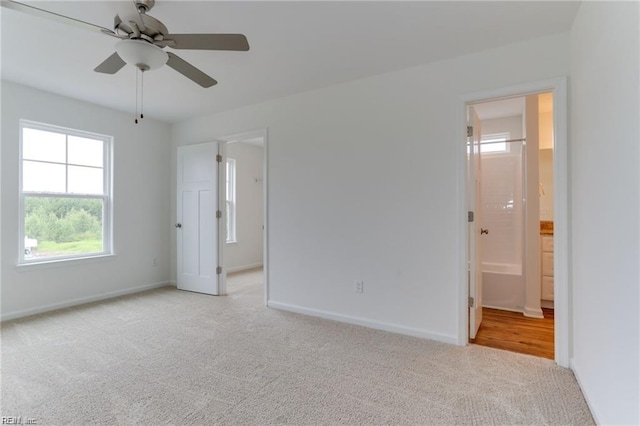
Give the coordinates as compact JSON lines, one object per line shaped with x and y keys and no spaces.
{"x":197,"y":226}
{"x":474,"y":166}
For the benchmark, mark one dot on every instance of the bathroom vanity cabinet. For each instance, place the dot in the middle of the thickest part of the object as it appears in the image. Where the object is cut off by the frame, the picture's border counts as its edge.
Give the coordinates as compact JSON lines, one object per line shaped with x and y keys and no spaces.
{"x":546,"y":245}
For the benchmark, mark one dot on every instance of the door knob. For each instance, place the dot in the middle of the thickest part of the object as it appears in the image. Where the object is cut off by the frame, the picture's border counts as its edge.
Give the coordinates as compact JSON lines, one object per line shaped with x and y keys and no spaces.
{"x":178,"y":225}
{"x":484,"y":231}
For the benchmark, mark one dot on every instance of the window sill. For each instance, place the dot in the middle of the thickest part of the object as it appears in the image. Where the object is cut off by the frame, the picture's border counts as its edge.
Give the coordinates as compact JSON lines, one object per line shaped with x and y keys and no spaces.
{"x":61,"y":263}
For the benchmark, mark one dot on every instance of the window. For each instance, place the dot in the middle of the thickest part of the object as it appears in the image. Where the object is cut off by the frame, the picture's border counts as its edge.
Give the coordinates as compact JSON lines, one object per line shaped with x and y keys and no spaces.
{"x":231,"y":200}
{"x":494,"y":143}
{"x":65,"y":193}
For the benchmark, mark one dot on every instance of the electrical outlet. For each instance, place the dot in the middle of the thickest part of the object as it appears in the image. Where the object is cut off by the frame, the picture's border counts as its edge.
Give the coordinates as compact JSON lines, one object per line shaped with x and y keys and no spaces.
{"x":359,"y":287}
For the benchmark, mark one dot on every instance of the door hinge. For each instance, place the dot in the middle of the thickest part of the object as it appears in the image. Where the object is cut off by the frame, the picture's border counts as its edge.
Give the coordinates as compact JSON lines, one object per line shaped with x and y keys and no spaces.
{"x":469,"y":131}
{"x":471,"y":302}
{"x":219,"y":158}
{"x":218,"y":214}
{"x":470,"y":216}
{"x":218,"y":270}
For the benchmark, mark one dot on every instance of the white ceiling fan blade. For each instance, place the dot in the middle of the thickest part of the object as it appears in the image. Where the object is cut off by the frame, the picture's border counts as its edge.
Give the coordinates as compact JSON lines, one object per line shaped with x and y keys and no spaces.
{"x":189,"y":71}
{"x":31,"y":10}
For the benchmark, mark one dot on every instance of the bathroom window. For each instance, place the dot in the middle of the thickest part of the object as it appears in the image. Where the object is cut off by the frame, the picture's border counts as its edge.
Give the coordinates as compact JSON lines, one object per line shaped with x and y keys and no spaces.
{"x":231,"y":200}
{"x":494,"y":143}
{"x":65,"y":193}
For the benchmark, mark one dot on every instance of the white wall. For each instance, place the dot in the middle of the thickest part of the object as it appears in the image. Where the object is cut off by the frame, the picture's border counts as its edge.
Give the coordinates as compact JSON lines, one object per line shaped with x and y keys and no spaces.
{"x":545,"y":170}
{"x":532,"y":211}
{"x":512,"y":125}
{"x":604,"y":208}
{"x":141,"y":206}
{"x":363,"y":185}
{"x":246,"y":252}
{"x":545,"y":128}
{"x":545,"y":155}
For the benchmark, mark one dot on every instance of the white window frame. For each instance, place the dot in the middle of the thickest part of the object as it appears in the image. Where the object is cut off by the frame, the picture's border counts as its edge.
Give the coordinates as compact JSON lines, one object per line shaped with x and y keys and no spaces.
{"x":492,"y":138}
{"x":106,"y":196}
{"x":230,"y":201}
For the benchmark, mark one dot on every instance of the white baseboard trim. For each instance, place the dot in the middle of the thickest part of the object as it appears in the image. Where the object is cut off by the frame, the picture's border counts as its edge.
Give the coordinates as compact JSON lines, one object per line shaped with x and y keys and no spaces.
{"x":502,"y":308}
{"x":80,"y":301}
{"x":576,"y":373}
{"x":547,"y":304}
{"x":244,"y":267}
{"x":378,"y":325}
{"x":533,"y":313}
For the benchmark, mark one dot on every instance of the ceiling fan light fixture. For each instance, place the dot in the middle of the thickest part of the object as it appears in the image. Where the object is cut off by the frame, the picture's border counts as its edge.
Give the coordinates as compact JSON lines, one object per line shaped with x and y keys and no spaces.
{"x":141,"y":54}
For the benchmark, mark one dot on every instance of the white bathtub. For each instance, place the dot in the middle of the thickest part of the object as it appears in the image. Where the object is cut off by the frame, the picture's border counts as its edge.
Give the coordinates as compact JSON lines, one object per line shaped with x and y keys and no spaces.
{"x":503,"y":286}
{"x":502,"y":268}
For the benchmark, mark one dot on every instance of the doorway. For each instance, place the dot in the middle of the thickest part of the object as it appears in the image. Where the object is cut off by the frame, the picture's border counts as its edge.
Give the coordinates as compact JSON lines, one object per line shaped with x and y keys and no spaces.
{"x":508,"y":138}
{"x":244,"y":251}
{"x":524,"y":196}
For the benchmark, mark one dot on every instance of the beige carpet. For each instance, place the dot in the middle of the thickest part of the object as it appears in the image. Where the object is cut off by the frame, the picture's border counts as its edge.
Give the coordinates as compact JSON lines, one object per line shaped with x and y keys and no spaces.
{"x":173,"y":357}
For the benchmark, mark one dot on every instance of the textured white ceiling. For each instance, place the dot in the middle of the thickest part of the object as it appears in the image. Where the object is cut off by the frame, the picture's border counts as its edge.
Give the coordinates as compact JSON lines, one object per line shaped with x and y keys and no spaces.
{"x":295,"y":46}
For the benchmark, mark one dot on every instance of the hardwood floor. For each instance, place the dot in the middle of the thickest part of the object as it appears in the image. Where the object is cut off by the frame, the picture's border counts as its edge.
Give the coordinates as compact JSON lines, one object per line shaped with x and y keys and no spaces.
{"x":512,"y":331}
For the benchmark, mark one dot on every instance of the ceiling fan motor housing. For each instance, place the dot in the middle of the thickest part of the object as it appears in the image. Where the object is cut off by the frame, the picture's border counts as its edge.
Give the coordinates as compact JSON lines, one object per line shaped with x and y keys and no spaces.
{"x":150,"y":30}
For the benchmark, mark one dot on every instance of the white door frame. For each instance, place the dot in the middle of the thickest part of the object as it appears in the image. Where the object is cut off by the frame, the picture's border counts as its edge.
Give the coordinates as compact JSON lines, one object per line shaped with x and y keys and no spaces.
{"x":239,"y":137}
{"x":562,"y":331}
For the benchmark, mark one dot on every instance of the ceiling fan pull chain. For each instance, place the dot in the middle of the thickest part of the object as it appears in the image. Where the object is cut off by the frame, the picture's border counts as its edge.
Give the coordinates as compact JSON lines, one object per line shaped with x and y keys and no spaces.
{"x":141,"y":94}
{"x":136,"y":113}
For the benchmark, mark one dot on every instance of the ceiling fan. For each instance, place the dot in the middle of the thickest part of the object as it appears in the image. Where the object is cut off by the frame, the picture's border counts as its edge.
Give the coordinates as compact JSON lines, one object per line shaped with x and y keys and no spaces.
{"x":143,"y":38}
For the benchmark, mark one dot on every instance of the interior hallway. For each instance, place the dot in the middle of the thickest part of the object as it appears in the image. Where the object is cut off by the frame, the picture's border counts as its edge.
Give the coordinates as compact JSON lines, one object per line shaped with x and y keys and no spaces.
{"x":243,"y":281}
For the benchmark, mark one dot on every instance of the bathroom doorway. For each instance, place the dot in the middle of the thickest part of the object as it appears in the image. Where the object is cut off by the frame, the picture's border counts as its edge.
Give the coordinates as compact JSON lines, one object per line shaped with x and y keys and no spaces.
{"x":510,"y":153}
{"x":245,"y":250}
